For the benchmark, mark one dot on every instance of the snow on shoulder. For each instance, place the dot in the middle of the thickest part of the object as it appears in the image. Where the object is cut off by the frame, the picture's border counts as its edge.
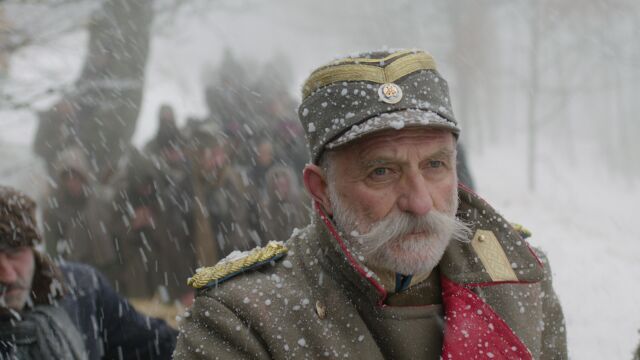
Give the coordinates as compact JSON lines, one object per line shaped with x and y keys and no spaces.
{"x":236,"y":263}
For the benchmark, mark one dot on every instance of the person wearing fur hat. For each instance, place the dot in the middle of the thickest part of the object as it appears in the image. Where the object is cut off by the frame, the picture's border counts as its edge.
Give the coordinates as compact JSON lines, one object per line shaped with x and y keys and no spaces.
{"x":66,"y":311}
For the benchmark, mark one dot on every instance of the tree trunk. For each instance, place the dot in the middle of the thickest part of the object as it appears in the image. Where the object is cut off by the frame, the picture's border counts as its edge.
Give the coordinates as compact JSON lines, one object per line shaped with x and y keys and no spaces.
{"x":100,"y":113}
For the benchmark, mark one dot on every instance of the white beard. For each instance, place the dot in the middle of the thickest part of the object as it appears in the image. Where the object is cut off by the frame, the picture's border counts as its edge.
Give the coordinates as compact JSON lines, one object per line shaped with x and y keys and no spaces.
{"x":389,"y":243}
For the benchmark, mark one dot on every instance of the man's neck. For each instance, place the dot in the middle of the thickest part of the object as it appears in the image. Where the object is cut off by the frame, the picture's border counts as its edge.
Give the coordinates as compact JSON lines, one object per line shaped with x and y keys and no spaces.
{"x":390,"y":278}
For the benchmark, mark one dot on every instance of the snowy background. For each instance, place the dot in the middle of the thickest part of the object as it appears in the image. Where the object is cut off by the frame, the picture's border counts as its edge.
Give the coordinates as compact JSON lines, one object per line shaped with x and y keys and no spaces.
{"x":582,"y":211}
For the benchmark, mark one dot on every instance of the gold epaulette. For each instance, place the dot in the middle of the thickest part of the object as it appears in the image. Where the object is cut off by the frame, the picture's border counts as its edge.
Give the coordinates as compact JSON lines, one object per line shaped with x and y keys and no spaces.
{"x":523,"y":231}
{"x":237,"y":264}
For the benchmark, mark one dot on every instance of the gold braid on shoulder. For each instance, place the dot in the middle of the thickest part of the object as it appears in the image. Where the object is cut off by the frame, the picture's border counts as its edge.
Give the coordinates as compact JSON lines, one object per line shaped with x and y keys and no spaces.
{"x":229,"y":267}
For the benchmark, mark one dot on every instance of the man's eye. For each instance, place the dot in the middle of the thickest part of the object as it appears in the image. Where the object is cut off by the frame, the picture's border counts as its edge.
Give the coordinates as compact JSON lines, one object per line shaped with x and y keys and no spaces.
{"x":380,"y":173}
{"x":436,"y":163}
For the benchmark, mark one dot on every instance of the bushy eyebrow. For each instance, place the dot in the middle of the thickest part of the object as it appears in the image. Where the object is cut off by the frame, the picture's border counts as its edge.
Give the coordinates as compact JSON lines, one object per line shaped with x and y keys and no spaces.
{"x":374,"y":162}
{"x":442,"y":154}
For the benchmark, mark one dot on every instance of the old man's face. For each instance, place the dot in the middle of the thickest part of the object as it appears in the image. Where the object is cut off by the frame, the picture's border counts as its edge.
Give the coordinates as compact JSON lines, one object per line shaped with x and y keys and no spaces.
{"x":17,"y":266}
{"x":394,"y":196}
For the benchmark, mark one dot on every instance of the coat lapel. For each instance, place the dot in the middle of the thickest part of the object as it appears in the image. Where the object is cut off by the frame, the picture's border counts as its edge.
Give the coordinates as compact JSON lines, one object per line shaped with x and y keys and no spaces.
{"x":473,"y":330}
{"x":495,"y":255}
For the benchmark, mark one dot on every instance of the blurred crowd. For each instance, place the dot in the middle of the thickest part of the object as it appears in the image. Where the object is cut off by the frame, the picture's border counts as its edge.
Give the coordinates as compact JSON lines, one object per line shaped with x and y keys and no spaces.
{"x":198,"y":190}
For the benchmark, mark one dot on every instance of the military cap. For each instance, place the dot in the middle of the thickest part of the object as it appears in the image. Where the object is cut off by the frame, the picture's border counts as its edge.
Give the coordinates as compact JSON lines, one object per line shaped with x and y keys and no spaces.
{"x":354,"y":96}
{"x":17,"y":219}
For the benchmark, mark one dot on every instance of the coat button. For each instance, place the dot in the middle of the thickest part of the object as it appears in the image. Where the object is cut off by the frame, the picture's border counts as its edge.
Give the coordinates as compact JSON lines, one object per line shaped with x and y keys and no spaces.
{"x":321,"y":310}
{"x":482,"y":238}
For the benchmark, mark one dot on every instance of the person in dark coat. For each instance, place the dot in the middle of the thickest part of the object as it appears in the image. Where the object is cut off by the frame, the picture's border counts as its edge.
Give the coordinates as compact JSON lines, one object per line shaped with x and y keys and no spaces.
{"x":264,"y":161}
{"x":167,"y":148}
{"x":110,"y":326}
{"x":220,"y":216}
{"x":284,"y":207}
{"x":151,"y":225}
{"x":66,"y":311}
{"x":76,"y":215}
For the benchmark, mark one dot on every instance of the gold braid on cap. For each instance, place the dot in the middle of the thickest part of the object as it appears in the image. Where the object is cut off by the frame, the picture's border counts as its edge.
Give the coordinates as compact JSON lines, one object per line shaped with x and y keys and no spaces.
{"x":385,"y":70}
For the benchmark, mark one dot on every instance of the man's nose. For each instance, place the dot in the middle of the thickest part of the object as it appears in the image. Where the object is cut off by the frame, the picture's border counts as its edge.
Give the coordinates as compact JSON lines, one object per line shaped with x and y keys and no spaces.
{"x":415,"y":195}
{"x":7,"y":273}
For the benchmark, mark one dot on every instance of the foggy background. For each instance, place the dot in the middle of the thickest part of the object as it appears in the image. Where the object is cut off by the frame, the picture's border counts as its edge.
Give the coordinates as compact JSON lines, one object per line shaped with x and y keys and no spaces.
{"x":546,"y":93}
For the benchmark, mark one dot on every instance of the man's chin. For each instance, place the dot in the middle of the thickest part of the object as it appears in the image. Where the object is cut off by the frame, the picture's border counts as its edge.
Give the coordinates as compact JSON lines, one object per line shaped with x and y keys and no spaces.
{"x":411,"y":244}
{"x":413,"y":254}
{"x":413,"y":237}
{"x":15,"y":302}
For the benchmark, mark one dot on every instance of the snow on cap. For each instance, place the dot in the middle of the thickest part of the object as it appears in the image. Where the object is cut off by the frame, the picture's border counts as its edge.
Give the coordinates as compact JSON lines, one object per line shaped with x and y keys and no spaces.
{"x":347,"y":98}
{"x":396,"y":120}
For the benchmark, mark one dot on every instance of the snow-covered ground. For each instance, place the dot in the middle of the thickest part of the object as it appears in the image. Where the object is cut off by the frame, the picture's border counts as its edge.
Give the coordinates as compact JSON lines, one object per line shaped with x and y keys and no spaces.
{"x":585,"y":221}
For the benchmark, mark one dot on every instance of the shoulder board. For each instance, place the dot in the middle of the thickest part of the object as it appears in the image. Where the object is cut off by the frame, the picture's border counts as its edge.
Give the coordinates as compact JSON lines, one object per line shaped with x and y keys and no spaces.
{"x":523,"y":231}
{"x":237,"y":263}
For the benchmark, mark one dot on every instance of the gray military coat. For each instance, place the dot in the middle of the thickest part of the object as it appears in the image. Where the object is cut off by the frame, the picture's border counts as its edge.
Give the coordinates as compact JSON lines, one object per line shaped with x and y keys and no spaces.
{"x":321,"y":302}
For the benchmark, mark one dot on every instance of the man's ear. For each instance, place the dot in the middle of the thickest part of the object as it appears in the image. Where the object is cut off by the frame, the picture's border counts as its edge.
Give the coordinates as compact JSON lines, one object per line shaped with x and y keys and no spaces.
{"x":317,"y":187}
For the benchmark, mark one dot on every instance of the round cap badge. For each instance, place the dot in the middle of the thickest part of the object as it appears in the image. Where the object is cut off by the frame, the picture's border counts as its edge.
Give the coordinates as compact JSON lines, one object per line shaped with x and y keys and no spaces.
{"x":390,"y":93}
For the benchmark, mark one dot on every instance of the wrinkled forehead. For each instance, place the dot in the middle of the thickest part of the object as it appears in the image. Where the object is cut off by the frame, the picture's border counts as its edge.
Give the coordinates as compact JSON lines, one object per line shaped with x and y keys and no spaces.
{"x":408,"y":137}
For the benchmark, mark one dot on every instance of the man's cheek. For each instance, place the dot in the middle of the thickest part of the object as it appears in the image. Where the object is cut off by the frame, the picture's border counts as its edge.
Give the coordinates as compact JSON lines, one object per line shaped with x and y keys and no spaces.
{"x":378,"y":208}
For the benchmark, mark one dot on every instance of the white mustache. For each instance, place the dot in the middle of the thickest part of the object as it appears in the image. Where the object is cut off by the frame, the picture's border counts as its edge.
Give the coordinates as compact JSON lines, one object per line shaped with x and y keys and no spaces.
{"x":399,"y":225}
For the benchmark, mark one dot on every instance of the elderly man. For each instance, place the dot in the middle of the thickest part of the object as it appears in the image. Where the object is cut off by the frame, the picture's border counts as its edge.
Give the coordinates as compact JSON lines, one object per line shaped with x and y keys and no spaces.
{"x":67,"y":311}
{"x":399,"y":262}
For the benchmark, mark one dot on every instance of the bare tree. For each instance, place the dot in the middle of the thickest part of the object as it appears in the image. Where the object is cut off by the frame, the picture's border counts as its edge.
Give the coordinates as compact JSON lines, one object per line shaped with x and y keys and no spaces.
{"x":99,"y":112}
